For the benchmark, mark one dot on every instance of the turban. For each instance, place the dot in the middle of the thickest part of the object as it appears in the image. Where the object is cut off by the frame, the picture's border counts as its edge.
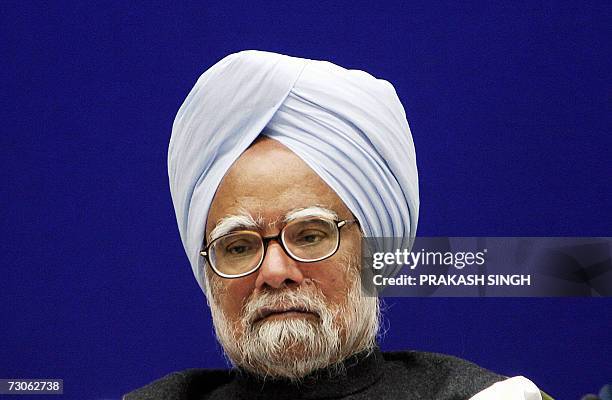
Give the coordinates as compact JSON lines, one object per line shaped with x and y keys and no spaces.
{"x":346,"y":125}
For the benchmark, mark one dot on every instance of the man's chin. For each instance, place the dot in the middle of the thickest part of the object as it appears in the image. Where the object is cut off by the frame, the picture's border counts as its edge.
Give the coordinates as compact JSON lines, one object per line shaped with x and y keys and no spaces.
{"x":287,"y":346}
{"x":287,"y":316}
{"x":287,"y":333}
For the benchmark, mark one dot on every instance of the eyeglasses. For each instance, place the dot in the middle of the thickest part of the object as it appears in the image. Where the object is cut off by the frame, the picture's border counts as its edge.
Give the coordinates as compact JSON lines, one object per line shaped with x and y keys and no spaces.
{"x":241,"y":253}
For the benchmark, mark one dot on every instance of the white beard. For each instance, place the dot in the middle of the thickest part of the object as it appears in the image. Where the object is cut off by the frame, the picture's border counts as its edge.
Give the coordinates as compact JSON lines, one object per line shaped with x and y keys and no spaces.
{"x":294,"y":347}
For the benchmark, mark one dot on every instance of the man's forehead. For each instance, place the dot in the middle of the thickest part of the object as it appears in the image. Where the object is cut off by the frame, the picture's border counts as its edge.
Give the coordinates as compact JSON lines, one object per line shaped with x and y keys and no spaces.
{"x":263,"y":150}
{"x":270,"y":160}
{"x":267,"y":182}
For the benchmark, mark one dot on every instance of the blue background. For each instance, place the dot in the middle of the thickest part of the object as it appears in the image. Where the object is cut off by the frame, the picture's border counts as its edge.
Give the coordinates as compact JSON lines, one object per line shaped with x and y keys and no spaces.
{"x":509,"y":105}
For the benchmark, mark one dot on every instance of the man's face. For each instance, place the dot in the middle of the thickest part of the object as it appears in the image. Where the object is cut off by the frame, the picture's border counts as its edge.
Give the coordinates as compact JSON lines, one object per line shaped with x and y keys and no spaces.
{"x":329,"y":319}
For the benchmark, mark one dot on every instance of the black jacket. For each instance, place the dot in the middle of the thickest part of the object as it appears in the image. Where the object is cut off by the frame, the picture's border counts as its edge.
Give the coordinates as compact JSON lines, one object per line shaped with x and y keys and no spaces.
{"x":394,"y":375}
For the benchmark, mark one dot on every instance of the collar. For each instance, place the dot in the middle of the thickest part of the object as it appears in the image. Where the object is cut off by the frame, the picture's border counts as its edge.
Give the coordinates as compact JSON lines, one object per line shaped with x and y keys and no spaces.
{"x":360,"y":371}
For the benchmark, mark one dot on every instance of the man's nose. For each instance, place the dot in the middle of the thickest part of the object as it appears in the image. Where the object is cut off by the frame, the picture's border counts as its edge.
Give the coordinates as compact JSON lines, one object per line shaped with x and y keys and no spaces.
{"x":278,"y":268}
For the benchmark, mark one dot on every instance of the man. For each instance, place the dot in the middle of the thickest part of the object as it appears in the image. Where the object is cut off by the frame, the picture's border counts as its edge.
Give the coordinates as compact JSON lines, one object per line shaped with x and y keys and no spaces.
{"x":278,"y":167}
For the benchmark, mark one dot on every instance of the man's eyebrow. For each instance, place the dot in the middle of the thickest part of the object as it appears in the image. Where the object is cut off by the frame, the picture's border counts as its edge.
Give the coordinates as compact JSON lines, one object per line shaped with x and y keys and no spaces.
{"x":231,"y":223}
{"x":245,"y":221}
{"x":308,"y":212}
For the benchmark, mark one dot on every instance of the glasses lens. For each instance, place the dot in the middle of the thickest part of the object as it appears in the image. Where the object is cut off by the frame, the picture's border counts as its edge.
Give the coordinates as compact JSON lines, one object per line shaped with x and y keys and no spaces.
{"x":236,"y":253}
{"x":311,"y":239}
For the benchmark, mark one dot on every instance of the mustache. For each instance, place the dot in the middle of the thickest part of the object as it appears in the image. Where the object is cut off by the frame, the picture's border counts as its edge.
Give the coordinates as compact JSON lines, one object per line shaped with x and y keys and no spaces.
{"x":283,"y":300}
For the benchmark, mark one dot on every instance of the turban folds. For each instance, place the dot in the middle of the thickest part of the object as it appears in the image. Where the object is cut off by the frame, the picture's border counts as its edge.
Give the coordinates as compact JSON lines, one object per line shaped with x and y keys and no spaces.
{"x":348,"y":126}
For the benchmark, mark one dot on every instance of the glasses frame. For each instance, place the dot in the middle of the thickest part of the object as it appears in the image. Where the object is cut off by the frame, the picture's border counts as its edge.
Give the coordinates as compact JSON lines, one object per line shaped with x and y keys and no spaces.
{"x":280,"y":239}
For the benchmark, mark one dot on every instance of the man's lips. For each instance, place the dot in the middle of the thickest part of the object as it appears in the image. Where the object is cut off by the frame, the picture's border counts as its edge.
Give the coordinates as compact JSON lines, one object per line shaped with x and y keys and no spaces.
{"x":266,"y":312}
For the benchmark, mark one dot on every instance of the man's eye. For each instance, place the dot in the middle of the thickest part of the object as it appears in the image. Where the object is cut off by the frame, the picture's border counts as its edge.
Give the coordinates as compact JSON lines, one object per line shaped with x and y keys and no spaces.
{"x":238,"y":249}
{"x":310,"y":237}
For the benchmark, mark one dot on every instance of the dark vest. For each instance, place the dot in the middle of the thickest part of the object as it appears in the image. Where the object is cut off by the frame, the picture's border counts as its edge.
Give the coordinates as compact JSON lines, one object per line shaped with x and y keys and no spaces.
{"x":393,"y":375}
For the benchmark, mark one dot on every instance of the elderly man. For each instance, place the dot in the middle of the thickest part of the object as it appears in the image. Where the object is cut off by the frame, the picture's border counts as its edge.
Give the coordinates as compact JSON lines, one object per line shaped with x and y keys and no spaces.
{"x":278,"y":167}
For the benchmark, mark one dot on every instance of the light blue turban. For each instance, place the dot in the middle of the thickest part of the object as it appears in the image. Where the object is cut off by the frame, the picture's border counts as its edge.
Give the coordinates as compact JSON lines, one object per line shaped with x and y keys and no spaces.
{"x":348,"y":126}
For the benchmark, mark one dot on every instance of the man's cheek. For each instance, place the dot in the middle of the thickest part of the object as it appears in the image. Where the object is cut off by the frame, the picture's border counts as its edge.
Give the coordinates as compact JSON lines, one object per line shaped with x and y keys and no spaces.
{"x":232,"y":295}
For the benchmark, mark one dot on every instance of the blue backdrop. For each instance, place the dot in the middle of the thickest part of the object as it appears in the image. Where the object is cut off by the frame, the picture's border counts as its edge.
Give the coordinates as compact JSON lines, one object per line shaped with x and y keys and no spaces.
{"x":509,"y":105}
